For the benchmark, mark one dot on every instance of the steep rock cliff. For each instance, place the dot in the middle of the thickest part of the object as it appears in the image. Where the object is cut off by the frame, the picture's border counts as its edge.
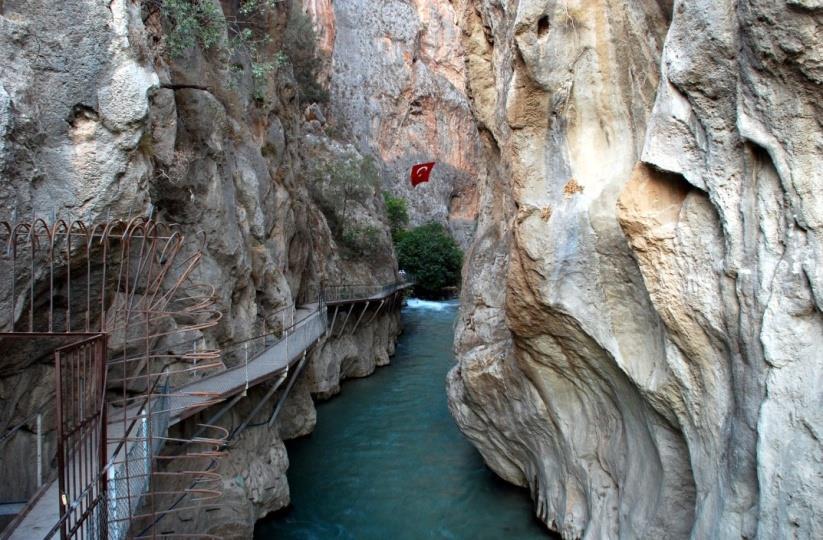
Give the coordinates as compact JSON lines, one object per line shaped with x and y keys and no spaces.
{"x":651,"y":367}
{"x":101,"y":116}
{"x":397,"y":81}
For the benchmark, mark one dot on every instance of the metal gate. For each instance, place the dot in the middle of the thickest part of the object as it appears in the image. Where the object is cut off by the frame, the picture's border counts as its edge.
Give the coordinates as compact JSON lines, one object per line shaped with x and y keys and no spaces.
{"x":80,"y":370}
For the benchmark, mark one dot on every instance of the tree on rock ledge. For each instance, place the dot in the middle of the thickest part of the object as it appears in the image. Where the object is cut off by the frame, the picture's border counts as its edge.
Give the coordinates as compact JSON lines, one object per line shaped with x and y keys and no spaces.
{"x":433,"y":257}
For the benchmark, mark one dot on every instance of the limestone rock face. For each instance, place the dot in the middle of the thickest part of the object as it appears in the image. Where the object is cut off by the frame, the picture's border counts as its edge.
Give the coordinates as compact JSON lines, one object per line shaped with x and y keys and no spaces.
{"x":100,"y":118}
{"x":651,"y":368}
{"x":397,"y":81}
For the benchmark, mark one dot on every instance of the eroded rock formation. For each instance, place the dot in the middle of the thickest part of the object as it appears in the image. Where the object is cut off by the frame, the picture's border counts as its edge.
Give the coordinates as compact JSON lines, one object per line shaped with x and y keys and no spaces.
{"x":651,"y":368}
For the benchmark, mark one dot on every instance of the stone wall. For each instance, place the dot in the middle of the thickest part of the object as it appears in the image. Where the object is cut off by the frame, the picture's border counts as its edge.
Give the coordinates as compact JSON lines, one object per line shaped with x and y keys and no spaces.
{"x":641,"y":307}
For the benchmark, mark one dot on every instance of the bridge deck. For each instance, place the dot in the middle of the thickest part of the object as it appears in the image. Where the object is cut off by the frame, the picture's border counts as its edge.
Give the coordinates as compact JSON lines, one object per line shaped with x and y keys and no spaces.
{"x":372,"y":294}
{"x":189,"y":399}
{"x":310,"y":324}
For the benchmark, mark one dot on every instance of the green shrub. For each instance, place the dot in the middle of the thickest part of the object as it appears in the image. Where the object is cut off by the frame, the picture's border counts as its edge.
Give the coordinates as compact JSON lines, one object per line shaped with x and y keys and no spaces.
{"x":339,"y":183}
{"x":336,"y":186}
{"x":360,"y":241}
{"x":398,"y":214}
{"x":300,"y":45}
{"x":433,"y":257}
{"x":191,"y":23}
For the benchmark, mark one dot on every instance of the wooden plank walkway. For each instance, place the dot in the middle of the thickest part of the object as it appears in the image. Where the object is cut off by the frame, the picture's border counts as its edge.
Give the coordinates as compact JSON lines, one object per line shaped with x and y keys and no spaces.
{"x":310,"y":324}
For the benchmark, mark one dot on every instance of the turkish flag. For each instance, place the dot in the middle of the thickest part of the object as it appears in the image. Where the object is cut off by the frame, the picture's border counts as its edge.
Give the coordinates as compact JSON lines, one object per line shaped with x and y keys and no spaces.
{"x":420,"y":173}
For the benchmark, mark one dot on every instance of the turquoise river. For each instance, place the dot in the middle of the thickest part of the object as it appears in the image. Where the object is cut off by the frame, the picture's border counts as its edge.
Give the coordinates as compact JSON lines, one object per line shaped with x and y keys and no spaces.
{"x":387,"y":460}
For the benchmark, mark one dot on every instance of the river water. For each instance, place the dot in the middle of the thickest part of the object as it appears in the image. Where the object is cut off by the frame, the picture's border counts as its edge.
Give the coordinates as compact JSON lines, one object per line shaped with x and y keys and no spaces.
{"x":388,"y":462}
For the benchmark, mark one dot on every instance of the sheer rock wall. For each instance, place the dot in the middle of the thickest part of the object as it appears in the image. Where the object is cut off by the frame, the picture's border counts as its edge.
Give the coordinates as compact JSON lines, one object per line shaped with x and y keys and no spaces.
{"x":398,"y":90}
{"x":99,"y":119}
{"x":641,"y":322}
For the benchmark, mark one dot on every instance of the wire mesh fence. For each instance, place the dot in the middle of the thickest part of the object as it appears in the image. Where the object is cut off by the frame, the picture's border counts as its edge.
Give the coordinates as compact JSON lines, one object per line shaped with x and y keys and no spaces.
{"x":129,"y":475}
{"x":335,"y":294}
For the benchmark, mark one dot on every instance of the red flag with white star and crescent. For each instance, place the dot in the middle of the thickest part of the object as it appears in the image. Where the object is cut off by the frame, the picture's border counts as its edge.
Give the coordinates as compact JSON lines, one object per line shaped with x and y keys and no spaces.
{"x":420,"y":173}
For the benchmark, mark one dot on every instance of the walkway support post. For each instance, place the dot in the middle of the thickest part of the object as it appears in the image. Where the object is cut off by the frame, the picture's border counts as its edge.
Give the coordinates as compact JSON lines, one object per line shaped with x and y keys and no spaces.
{"x":373,"y":317}
{"x":340,"y":333}
{"x":222,"y":412}
{"x":333,"y":319}
{"x":257,"y":408}
{"x":366,"y":307}
{"x":289,"y":386}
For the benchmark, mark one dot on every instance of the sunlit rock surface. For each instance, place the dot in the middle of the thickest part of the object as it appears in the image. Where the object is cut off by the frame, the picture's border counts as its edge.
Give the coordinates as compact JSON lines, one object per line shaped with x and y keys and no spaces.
{"x":640,"y":336}
{"x":398,"y":90}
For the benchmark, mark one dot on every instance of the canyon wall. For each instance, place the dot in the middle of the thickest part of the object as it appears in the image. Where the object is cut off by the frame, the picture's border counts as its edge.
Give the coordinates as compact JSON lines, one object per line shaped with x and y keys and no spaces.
{"x":107,"y":112}
{"x":397,"y":80}
{"x":641,"y":323}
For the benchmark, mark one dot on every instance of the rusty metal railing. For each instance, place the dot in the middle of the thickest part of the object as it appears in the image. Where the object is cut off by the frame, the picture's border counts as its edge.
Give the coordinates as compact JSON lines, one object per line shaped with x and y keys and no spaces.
{"x":129,"y":281}
{"x":80,"y":375}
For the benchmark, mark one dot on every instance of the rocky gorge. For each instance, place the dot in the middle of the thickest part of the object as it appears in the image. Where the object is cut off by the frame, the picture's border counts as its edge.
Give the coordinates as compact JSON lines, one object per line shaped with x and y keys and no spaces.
{"x":636,"y":183}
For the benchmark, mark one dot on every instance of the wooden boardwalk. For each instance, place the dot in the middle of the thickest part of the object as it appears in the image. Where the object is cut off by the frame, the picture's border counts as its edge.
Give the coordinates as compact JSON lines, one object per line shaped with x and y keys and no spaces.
{"x":274,"y":358}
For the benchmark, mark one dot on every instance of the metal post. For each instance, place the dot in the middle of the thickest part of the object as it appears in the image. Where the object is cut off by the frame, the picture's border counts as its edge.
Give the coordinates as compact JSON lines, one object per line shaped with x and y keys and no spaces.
{"x":340,"y":333}
{"x":361,"y":317}
{"x":103,"y":347}
{"x":39,"y":450}
{"x":333,"y":319}
{"x":246,"y":366}
{"x":220,"y":414}
{"x":289,"y":386}
{"x":61,"y":462}
{"x":275,"y":385}
{"x":376,"y":312}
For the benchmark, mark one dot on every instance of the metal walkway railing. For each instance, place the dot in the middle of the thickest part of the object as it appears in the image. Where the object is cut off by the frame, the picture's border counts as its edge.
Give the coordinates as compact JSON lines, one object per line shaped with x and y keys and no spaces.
{"x":265,"y":357}
{"x":262,"y":358}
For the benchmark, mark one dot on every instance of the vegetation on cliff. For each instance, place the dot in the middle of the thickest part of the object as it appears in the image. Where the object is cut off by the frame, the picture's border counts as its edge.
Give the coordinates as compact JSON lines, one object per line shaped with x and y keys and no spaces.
{"x":398,"y":213}
{"x":340,"y":186}
{"x":433,"y":257}
{"x":251,"y":45}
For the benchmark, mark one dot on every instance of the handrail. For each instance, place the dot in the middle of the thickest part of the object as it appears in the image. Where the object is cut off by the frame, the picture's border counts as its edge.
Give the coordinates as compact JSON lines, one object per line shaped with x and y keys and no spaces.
{"x":318,"y":300}
{"x":339,"y":293}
